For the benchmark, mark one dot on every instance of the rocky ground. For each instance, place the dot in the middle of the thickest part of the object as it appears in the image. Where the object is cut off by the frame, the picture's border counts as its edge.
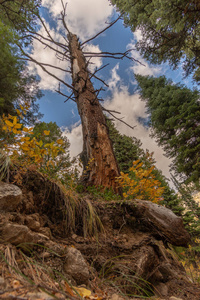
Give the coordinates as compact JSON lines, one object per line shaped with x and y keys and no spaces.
{"x":55,"y":244}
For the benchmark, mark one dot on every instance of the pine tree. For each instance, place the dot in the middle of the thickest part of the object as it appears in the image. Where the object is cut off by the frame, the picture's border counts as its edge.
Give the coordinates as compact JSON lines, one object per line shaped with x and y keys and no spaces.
{"x":16,"y":85}
{"x":126,"y":149}
{"x":175,"y":120}
{"x":170,"y":30}
{"x":191,"y":209}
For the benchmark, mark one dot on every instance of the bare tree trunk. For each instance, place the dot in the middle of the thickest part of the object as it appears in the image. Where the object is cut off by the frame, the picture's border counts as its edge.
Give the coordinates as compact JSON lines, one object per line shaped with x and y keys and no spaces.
{"x":100,"y":166}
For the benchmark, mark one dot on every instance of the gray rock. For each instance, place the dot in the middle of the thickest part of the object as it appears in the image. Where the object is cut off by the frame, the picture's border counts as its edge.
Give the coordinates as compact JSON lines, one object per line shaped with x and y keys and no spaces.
{"x":19,"y":234}
{"x":10,"y":196}
{"x":76,"y":266}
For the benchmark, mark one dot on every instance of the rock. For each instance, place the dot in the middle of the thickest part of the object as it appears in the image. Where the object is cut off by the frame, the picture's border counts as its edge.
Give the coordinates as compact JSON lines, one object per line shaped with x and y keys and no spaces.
{"x":161,"y":289}
{"x":19,"y":234}
{"x":76,"y":266}
{"x":33,"y":222}
{"x":162,"y":222}
{"x":10,"y":196}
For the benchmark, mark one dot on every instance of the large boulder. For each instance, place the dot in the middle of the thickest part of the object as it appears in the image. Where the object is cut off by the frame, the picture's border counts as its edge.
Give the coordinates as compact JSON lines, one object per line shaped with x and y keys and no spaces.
{"x":161,"y":221}
{"x":10,"y":196}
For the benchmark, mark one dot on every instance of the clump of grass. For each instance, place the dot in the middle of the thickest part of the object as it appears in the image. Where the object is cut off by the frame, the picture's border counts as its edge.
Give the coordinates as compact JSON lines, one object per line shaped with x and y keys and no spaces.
{"x":80,"y":213}
{"x":5,"y":164}
{"x":124,"y":280}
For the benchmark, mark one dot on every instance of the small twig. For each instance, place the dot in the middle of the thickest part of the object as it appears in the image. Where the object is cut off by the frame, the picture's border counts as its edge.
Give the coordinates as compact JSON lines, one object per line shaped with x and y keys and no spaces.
{"x":111,"y":113}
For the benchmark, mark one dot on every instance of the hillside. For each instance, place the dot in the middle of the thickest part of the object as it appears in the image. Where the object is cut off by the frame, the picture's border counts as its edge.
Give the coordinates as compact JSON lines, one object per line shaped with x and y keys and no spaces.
{"x":53,"y":240}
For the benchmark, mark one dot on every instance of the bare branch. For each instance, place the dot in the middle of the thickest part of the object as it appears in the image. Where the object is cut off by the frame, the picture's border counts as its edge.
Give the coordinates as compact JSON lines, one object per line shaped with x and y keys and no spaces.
{"x":114,"y":55}
{"x":93,"y":75}
{"x":50,"y":47}
{"x":48,"y":65}
{"x":97,"y":70}
{"x":111,"y":112}
{"x":51,"y":40}
{"x":45,"y":70}
{"x":70,"y":97}
{"x":63,"y":14}
{"x":64,"y":95}
{"x":110,"y":25}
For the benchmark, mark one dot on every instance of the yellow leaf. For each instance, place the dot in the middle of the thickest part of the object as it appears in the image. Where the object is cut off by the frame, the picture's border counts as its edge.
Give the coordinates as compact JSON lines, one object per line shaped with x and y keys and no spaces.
{"x":15,"y":131}
{"x":25,"y":148}
{"x":4,"y":128}
{"x":82,"y":291}
{"x":14,"y":120}
{"x":18,"y":111}
{"x":46,"y":132}
{"x":18,"y":126}
{"x":25,"y":129}
{"x":60,"y":141}
{"x":9,"y":123}
{"x":40,"y":143}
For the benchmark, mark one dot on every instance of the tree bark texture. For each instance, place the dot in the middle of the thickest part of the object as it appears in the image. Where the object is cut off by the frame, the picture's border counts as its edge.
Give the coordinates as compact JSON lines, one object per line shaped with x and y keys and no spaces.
{"x":100,"y":166}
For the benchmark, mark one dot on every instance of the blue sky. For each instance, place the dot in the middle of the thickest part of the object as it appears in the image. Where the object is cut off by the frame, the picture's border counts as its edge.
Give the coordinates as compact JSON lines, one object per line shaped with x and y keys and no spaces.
{"x":86,"y":18}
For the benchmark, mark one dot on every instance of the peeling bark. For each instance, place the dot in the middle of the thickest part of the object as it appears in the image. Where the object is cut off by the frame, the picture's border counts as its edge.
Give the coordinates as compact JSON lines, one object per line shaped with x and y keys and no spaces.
{"x":100,"y":166}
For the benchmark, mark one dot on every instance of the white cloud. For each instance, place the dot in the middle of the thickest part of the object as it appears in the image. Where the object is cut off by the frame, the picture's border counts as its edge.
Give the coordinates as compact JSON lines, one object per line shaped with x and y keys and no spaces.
{"x":85,"y":18}
{"x":75,"y":138}
{"x":115,"y":78}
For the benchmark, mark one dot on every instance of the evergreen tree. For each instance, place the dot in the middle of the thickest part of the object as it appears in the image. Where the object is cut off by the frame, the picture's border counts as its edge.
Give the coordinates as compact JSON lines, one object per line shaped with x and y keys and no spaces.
{"x":126,"y":149}
{"x":19,"y":15}
{"x":170,"y":30}
{"x":175,"y":119}
{"x":191,"y":209}
{"x":16,"y":85}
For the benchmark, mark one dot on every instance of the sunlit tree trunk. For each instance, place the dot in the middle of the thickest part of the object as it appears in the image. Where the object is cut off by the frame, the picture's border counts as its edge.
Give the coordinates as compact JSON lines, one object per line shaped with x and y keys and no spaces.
{"x":100,"y":166}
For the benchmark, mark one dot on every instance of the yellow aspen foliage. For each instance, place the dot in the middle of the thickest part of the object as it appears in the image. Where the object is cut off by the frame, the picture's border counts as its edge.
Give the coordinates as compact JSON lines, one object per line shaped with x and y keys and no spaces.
{"x":140,"y":182}
{"x":29,"y":150}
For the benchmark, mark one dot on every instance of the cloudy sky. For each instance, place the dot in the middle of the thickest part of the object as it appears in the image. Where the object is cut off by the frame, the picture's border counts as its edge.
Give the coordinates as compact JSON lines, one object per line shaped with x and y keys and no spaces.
{"x":86,"y":18}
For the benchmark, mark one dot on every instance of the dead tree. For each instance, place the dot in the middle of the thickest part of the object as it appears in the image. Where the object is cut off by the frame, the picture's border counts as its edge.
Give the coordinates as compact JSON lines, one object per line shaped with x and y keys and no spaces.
{"x":100,"y":165}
